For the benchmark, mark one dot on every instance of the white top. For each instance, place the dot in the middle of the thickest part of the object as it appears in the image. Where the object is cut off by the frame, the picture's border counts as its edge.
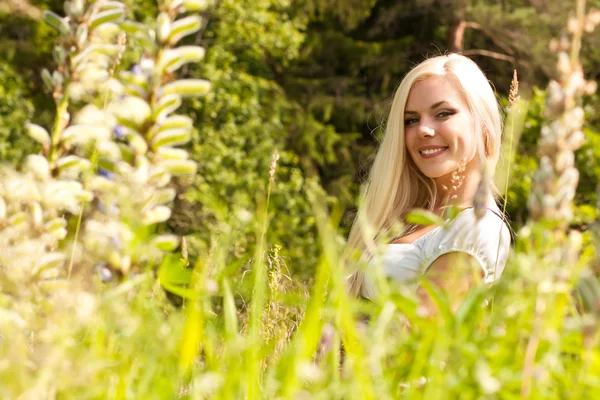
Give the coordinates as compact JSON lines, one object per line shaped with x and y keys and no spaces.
{"x":486,"y":239}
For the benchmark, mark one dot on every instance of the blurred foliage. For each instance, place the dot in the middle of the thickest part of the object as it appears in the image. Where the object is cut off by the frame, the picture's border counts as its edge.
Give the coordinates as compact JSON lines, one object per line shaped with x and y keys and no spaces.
{"x":312,"y":80}
{"x":15,"y":110}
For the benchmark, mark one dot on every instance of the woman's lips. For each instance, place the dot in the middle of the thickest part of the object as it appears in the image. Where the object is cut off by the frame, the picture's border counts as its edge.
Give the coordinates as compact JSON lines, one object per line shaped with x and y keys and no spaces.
{"x":432,"y":151}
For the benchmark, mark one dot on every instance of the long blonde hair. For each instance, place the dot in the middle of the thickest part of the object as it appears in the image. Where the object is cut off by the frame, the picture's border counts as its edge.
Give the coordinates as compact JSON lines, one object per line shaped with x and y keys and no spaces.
{"x":395,"y":185}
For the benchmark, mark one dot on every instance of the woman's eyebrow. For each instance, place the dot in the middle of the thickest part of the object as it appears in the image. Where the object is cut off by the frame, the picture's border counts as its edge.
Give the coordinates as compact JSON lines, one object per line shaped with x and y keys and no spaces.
{"x":433,"y":106}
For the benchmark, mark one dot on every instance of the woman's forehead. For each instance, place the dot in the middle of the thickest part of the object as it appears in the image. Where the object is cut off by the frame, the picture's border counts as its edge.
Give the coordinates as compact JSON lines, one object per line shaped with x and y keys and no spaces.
{"x":434,"y":90}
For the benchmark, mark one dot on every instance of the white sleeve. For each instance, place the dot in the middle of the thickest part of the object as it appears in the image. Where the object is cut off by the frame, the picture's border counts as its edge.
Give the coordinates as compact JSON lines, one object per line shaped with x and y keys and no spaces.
{"x":486,"y":239}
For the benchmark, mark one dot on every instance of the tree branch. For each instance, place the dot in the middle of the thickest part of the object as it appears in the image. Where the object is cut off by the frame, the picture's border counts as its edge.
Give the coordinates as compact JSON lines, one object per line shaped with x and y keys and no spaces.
{"x":492,"y":54}
{"x":20,"y":7}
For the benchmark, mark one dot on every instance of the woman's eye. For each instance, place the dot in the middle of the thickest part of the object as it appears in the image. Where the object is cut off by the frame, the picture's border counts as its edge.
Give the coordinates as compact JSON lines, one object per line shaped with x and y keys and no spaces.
{"x":410,"y":121}
{"x":445,"y":114}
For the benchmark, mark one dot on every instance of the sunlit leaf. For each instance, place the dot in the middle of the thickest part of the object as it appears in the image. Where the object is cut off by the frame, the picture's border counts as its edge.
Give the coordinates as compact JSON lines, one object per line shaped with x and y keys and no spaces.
{"x":57,"y":22}
{"x":38,"y":166}
{"x":131,"y":110}
{"x":82,"y":134}
{"x":169,"y":153}
{"x":171,"y":137}
{"x":173,"y":59}
{"x":165,"y":242}
{"x":163,"y":27}
{"x":184,"y":27}
{"x":187,"y":87}
{"x":165,"y":106}
{"x":423,"y":217}
{"x":48,"y":261}
{"x":194,"y":5}
{"x":180,"y":167}
{"x":159,"y":176}
{"x":156,"y":215}
{"x":39,"y":134}
{"x":172,"y":122}
{"x":111,"y":15}
{"x":72,"y":162}
{"x":164,"y":196}
{"x":111,"y":5}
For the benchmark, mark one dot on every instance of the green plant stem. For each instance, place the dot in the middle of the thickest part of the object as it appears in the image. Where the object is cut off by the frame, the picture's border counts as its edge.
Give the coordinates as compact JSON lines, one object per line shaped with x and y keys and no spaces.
{"x":58,"y":127}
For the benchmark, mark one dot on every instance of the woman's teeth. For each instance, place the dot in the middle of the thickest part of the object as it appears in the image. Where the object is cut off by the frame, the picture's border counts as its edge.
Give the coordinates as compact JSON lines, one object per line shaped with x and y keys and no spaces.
{"x":432,"y":151}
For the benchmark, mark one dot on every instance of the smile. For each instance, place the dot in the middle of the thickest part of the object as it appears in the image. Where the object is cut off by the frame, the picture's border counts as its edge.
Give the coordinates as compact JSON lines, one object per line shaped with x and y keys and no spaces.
{"x":428,"y":153}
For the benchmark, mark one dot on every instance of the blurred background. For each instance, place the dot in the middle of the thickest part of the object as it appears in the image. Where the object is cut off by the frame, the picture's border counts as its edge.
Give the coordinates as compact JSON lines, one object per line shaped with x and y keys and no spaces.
{"x":313,"y":79}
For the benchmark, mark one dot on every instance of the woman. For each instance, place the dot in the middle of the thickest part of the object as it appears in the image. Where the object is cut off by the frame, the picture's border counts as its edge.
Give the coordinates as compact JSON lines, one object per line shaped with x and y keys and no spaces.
{"x":441,"y":147}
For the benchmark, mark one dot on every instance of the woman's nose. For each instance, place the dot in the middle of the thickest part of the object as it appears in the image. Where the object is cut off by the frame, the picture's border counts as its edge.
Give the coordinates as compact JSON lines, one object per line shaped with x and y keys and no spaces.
{"x":426,"y":130}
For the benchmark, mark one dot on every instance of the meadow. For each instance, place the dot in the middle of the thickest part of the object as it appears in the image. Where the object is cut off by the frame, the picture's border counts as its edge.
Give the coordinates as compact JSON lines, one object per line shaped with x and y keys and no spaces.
{"x":112,"y":285}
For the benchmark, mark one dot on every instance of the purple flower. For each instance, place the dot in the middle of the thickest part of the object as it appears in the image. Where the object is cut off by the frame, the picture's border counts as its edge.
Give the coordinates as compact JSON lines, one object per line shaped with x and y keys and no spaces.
{"x":119,"y":131}
{"x":105,"y":173}
{"x":136,"y":69}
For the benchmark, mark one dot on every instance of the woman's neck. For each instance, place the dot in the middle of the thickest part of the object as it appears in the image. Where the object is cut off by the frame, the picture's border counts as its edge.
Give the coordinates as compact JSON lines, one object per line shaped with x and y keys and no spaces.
{"x":458,"y":188}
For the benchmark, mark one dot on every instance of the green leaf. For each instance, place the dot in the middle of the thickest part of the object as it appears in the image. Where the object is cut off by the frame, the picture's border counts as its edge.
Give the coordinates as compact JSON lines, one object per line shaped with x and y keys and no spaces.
{"x":165,"y":242}
{"x":111,"y":15}
{"x":72,"y":162}
{"x":112,"y":5}
{"x":81,"y":35}
{"x":173,"y":122}
{"x":184,"y":27}
{"x":163,"y":27}
{"x":187,"y":87}
{"x":423,"y":217}
{"x":137,"y":143}
{"x":48,"y":261}
{"x":171,"y":137}
{"x":452,"y":212}
{"x":47,"y":78}
{"x":165,"y":106}
{"x":169,"y":153}
{"x":194,"y":5}
{"x":472,"y":303}
{"x":57,"y":22}
{"x":173,"y":59}
{"x":82,"y":134}
{"x":159,"y":176}
{"x":38,"y":166}
{"x":173,"y":271}
{"x":180,"y":167}
{"x":156,"y":215}
{"x":39,"y":134}
{"x":54,"y":224}
{"x":131,"y":110}
{"x":230,"y":312}
{"x":135,"y":28}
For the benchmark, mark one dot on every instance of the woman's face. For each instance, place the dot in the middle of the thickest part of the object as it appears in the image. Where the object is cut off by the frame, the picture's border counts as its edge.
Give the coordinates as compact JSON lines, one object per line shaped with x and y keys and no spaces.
{"x":439,"y":128}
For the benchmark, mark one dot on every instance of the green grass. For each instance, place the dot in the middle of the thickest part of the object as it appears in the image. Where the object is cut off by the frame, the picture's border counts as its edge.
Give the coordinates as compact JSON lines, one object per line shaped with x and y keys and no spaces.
{"x":253,"y":332}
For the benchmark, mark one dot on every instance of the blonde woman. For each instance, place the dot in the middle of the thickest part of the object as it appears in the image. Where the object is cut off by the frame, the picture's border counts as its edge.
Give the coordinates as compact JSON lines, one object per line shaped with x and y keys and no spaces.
{"x":441,"y":147}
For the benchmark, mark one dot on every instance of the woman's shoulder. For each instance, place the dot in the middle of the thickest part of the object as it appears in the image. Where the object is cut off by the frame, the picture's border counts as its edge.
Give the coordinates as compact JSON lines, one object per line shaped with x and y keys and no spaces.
{"x":485,"y":237}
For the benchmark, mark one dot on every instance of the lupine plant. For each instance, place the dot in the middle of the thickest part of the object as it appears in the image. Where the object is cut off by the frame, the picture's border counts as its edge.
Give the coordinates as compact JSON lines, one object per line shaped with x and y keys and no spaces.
{"x":556,"y":179}
{"x":116,"y":132}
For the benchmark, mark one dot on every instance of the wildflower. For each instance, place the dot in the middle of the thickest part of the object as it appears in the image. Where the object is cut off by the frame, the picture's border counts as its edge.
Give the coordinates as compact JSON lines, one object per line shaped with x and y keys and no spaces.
{"x":105,"y":173}
{"x":119,"y":132}
{"x":273,"y":166}
{"x":513,"y":95}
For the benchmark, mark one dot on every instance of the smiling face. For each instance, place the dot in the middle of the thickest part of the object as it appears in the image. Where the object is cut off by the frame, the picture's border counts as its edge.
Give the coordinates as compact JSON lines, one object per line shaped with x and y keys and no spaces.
{"x":439,"y":128}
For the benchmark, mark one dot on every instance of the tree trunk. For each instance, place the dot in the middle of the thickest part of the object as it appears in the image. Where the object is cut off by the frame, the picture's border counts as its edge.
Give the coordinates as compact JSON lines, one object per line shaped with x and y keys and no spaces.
{"x":456,"y":35}
{"x":456,"y":32}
